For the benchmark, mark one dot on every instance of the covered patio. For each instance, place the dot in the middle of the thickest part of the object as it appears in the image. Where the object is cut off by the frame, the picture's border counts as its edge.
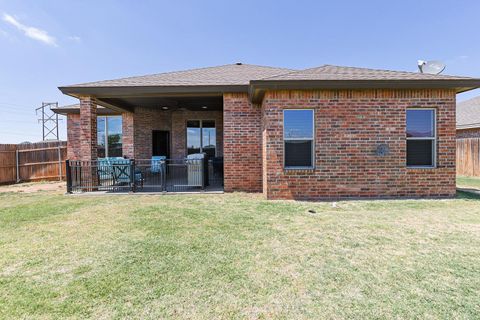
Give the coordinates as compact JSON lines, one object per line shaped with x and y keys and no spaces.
{"x":128,"y":143}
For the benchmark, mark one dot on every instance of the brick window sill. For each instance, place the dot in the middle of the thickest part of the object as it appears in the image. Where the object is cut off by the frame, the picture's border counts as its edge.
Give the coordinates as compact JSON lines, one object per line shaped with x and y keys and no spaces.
{"x":296,"y":171}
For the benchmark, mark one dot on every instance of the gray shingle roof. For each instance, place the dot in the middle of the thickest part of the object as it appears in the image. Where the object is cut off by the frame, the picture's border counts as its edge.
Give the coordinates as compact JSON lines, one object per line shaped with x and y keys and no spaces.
{"x":231,"y":74}
{"x":329,"y":72}
{"x":468,"y":114}
{"x":257,"y":79}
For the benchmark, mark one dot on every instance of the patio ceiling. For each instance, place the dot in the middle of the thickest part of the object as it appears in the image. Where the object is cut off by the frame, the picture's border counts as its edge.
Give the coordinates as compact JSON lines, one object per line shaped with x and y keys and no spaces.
{"x":212,"y":102}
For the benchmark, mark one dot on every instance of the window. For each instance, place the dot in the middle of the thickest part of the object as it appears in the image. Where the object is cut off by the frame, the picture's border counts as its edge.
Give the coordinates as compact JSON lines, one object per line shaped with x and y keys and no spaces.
{"x":421,"y":137}
{"x":109,"y":136}
{"x":101,"y":141}
{"x":201,"y":137}
{"x":298,"y":132}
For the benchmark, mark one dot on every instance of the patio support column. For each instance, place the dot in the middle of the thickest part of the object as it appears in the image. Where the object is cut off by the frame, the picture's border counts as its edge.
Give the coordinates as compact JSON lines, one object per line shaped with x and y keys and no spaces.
{"x":128,"y":138}
{"x":88,"y":128}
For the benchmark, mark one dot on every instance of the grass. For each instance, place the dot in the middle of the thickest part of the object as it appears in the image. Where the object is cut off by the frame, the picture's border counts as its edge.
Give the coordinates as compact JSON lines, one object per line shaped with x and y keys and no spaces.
{"x":237,"y":256}
{"x":468,"y":182}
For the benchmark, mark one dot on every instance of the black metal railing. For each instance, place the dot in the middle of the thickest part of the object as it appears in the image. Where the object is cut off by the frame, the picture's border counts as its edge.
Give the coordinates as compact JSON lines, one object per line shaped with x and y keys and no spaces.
{"x":152,"y":175}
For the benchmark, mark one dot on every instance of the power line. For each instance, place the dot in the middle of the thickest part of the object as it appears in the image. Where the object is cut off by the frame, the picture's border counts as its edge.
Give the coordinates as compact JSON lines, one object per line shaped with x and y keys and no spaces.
{"x":2,"y":108}
{"x":21,"y":121}
{"x":13,"y":104}
{"x":16,"y":134}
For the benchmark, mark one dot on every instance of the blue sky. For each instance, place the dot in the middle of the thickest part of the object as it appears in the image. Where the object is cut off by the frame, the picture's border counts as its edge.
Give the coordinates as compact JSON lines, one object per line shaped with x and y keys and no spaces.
{"x":44,"y":44}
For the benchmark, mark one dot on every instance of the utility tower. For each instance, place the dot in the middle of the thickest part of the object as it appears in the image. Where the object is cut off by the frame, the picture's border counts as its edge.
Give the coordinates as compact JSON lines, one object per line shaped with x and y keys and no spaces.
{"x":49,"y":120}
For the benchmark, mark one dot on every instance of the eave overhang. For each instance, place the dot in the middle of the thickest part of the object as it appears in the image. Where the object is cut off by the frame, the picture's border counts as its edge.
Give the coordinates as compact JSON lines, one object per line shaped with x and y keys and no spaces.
{"x":154,"y":91}
{"x":257,"y":88}
{"x":100,"y":111}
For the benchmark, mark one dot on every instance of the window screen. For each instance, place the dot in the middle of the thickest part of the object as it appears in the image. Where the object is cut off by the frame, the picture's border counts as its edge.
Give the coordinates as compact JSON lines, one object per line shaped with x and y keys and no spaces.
{"x":421,"y":137}
{"x":298,"y":132}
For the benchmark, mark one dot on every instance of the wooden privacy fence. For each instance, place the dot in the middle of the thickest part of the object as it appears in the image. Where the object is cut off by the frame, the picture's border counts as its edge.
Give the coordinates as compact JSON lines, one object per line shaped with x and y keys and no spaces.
{"x":468,"y":157}
{"x":32,"y":161}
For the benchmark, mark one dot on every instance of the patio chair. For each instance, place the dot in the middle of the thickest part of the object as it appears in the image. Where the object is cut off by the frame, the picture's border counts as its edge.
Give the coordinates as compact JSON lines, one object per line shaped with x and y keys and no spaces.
{"x":158,"y":164}
{"x":121,"y":172}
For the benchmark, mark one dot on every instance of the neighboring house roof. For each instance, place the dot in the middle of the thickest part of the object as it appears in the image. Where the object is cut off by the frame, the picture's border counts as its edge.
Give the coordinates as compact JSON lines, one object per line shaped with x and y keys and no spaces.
{"x":75,"y":108}
{"x":468,"y":114}
{"x":257,"y":79}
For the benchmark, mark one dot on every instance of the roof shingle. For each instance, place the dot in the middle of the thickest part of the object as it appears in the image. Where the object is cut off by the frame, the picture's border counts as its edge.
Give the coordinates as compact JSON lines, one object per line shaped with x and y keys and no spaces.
{"x":231,"y":74}
{"x":329,"y":72}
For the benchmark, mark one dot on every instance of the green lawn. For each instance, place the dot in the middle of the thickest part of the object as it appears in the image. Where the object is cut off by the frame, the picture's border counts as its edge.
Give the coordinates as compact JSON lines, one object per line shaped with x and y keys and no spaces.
{"x":468,"y":182}
{"x":237,"y":256}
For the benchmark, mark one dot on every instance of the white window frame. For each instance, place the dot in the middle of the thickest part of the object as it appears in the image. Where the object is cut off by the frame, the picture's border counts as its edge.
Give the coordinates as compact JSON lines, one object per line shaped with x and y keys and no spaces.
{"x":299,"y":139}
{"x":433,"y":139}
{"x":201,"y":133}
{"x":106,"y":131}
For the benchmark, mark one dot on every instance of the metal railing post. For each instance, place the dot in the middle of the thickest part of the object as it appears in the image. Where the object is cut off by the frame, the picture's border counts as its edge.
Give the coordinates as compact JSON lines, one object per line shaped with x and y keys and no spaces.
{"x":132,"y":175}
{"x":163,"y":170}
{"x":68,"y":176}
{"x":202,"y":170}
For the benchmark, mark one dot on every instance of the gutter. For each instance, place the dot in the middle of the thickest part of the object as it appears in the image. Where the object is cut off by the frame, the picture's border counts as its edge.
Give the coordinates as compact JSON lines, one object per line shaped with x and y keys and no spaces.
{"x":154,"y":91}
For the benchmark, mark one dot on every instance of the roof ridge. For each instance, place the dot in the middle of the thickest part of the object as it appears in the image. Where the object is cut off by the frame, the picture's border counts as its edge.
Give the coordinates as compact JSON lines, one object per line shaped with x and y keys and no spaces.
{"x":294,"y":71}
{"x":254,"y":65}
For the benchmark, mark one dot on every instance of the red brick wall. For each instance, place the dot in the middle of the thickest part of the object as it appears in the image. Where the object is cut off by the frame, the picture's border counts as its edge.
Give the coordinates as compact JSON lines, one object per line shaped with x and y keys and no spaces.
{"x":146,"y":120}
{"x":73,"y":136}
{"x":128,"y":138}
{"x":468,"y":133}
{"x":242,"y":144}
{"x":88,"y":128}
{"x":349,"y":125}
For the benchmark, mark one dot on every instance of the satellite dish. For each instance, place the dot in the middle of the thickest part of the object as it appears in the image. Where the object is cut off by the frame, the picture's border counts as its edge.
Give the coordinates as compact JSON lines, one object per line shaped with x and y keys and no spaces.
{"x":431,"y":67}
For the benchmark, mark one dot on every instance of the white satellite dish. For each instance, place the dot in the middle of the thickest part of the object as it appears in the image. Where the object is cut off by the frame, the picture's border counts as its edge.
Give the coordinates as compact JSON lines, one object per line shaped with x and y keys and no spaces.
{"x":431,"y":67}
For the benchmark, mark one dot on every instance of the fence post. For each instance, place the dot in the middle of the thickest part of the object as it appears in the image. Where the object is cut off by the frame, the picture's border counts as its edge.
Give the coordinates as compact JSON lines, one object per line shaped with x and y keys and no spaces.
{"x":132,"y":175}
{"x":60,"y":162}
{"x":68,"y":176}
{"x":17,"y":165}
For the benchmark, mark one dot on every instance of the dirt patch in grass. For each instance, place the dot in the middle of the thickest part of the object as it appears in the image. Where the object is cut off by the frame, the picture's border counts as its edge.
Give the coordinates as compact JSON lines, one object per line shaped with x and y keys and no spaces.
{"x":31,"y":187}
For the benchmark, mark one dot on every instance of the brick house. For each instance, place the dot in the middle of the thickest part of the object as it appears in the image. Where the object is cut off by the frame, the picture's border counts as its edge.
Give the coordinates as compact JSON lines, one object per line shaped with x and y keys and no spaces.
{"x":468,"y":118}
{"x":326,"y":132}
